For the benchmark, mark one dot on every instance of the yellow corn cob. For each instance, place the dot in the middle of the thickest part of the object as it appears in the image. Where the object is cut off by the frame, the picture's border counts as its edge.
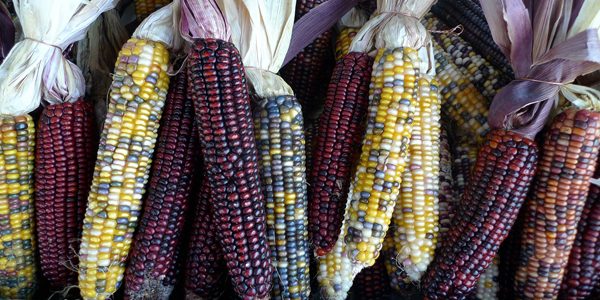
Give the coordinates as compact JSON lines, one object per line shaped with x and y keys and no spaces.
{"x":376,"y":183}
{"x":137,"y":97}
{"x":344,"y":39}
{"x":144,"y":8}
{"x":416,"y":213}
{"x":378,"y":175}
{"x":17,"y":256}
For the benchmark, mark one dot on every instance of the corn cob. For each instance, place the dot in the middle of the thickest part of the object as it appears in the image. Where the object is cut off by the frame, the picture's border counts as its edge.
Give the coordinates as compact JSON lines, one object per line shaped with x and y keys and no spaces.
{"x":462,"y":102}
{"x":416,"y":213}
{"x":223,"y":114}
{"x":344,"y":39}
{"x":280,"y":138}
{"x":583,"y":272}
{"x":476,"y":30}
{"x":309,"y":72}
{"x":336,"y":272}
{"x":376,"y":184}
{"x":205,"y":268}
{"x":66,"y":139}
{"x":483,"y":75}
{"x":465,"y":156}
{"x":447,"y":198}
{"x":17,"y":260}
{"x":559,"y":193}
{"x":310,"y":135}
{"x":371,"y":283}
{"x":508,"y":255}
{"x":161,"y":224}
{"x":397,"y":276}
{"x":487,"y":286}
{"x":122,"y":168}
{"x":501,"y":178}
{"x":144,"y":8}
{"x":341,"y":131}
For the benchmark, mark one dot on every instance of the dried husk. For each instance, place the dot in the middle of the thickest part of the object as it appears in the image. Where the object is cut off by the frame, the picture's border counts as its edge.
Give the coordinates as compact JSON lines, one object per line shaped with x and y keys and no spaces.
{"x":35,"y":68}
{"x":261,"y":30}
{"x":549,"y":44}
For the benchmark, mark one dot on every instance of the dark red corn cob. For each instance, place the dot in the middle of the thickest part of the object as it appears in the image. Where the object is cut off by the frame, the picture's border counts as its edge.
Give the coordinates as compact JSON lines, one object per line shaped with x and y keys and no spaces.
{"x":583,"y":270}
{"x":224,"y":118}
{"x":341,"y":129}
{"x":308,"y":73}
{"x":310,"y":134}
{"x":157,"y":239}
{"x":65,"y":148}
{"x":372,"y":283}
{"x":509,"y":252}
{"x":558,"y":196}
{"x":205,"y":267}
{"x":501,"y":178}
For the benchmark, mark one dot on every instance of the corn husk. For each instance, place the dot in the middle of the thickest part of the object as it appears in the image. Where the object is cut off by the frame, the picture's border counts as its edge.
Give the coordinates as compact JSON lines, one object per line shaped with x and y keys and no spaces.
{"x":203,"y":19}
{"x":35,"y":67}
{"x":163,"y":26}
{"x":355,"y":18}
{"x":395,"y":24}
{"x":261,"y":30}
{"x":549,"y":44}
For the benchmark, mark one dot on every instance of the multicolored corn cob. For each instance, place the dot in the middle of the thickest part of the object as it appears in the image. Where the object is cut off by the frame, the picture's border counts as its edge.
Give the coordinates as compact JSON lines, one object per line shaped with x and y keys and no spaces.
{"x":476,"y":31}
{"x":343,"y":41}
{"x":582,"y":274}
{"x":280,"y":139}
{"x":166,"y":202}
{"x":64,"y":164}
{"x":336,"y":272}
{"x":487,"y":286}
{"x":397,"y":276}
{"x":559,"y":194}
{"x":501,"y":178}
{"x":309,"y":72}
{"x":217,"y":85}
{"x":17,"y":250}
{"x":483,"y":75}
{"x":338,"y":141}
{"x":376,"y":184}
{"x":205,"y":271}
{"x":416,"y":212}
{"x":137,"y":96}
{"x":144,"y":8}
{"x":448,"y":200}
{"x":462,"y":103}
{"x":371,"y":283}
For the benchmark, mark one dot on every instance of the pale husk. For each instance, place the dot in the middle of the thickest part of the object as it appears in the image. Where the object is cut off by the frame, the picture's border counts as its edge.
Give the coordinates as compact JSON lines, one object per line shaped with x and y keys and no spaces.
{"x":162,"y":26}
{"x":355,"y":18}
{"x":261,"y":30}
{"x":394,"y":24}
{"x":34,"y":69}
